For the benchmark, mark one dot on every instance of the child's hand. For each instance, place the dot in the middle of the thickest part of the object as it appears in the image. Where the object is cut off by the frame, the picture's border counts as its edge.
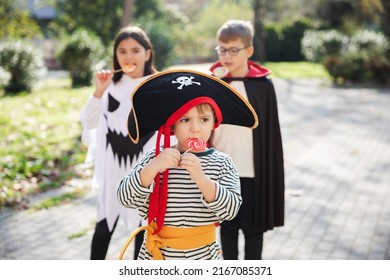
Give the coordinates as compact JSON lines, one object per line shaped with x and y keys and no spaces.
{"x":192,"y":163}
{"x":168,"y":158}
{"x":102,"y":80}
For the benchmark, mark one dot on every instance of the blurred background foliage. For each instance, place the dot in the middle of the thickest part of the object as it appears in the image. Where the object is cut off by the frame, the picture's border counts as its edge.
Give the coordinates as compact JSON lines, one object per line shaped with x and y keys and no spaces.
{"x":184,"y":31}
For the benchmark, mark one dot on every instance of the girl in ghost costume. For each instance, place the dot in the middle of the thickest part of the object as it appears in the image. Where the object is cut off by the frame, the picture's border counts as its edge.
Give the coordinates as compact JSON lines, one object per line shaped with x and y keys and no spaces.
{"x":105,"y":130}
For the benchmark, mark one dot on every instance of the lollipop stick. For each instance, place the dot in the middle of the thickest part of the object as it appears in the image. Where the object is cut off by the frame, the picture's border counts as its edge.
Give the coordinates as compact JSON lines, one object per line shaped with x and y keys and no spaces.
{"x":186,"y":151}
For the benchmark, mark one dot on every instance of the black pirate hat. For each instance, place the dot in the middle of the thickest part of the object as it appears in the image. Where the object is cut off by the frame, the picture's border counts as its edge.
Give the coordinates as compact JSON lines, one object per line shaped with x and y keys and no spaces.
{"x":163,"y":98}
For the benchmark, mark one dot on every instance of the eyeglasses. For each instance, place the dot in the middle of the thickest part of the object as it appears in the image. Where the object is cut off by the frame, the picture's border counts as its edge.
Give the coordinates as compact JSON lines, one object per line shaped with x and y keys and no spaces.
{"x":232,"y":51}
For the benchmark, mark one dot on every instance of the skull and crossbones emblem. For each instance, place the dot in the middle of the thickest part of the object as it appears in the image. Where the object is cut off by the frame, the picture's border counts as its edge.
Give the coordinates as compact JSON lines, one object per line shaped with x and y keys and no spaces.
{"x":184,"y":81}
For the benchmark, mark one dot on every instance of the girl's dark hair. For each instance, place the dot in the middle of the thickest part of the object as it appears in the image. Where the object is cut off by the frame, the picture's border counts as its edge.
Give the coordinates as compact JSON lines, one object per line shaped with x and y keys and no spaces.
{"x":142,"y":38}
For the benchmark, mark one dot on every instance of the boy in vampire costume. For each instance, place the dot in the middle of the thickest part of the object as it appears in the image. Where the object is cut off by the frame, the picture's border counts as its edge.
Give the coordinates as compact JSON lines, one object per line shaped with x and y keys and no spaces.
{"x":257,"y":153}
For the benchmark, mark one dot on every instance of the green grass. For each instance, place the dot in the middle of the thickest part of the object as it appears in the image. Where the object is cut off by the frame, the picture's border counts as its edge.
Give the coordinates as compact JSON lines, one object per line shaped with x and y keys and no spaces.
{"x":40,"y":139}
{"x":291,"y":70}
{"x":80,"y":233}
{"x":58,"y":200}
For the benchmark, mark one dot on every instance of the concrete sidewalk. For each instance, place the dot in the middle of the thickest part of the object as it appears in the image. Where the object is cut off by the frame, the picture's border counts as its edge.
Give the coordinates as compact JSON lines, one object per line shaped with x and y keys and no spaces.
{"x":337,"y":162}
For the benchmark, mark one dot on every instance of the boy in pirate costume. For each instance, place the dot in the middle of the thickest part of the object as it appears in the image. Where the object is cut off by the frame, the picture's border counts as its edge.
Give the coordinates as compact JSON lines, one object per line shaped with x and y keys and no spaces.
{"x":183,"y":191}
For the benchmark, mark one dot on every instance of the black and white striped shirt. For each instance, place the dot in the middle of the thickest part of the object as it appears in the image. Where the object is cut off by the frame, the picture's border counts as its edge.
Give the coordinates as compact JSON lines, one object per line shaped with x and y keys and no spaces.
{"x":186,"y":206}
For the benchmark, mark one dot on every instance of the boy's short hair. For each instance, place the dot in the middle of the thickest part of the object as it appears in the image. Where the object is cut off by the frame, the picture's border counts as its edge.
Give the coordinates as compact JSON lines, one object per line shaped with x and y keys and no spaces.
{"x":236,"y":30}
{"x":204,"y":107}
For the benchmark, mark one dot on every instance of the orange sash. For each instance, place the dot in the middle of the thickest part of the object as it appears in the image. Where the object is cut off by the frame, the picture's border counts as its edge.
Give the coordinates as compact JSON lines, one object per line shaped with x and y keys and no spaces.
{"x":173,"y":237}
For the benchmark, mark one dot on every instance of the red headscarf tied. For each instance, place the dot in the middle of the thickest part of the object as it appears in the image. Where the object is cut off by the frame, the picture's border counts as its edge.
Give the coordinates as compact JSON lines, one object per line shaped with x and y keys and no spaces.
{"x":158,"y":199}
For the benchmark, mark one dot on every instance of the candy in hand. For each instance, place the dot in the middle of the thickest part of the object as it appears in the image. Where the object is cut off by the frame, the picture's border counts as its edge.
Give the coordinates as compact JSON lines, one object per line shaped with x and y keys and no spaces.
{"x":196,"y":144}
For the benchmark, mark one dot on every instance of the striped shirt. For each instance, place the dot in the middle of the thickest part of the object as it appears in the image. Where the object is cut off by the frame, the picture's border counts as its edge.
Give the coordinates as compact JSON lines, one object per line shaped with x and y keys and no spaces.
{"x":186,"y":206}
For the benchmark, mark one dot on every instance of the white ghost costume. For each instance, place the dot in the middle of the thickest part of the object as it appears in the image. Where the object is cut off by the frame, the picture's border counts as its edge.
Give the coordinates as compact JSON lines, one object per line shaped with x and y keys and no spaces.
{"x":104,"y":123}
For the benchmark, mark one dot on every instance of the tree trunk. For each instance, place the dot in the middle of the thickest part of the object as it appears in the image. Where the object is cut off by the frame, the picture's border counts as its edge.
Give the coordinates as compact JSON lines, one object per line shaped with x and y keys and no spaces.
{"x":258,"y":40}
{"x":127,"y":12}
{"x":385,"y":22}
{"x":386,"y":18}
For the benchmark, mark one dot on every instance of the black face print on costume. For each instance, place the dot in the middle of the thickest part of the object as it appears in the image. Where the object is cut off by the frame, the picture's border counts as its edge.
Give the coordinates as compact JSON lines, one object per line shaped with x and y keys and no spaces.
{"x":122,"y":146}
{"x":113,"y":104}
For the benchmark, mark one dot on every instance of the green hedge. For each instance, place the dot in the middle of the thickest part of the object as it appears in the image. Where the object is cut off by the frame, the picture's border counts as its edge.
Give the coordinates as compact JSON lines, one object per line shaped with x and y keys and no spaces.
{"x":283,"y":40}
{"x":81,"y":52}
{"x":24,"y":63}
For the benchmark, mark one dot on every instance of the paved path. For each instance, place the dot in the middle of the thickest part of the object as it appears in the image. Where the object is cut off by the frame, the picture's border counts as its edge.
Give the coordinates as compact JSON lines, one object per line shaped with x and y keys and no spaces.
{"x":337,"y":161}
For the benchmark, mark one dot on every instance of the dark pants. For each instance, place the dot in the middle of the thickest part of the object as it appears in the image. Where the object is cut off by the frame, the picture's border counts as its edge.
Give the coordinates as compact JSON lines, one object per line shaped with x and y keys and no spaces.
{"x":244,"y":221}
{"x":102,"y":237}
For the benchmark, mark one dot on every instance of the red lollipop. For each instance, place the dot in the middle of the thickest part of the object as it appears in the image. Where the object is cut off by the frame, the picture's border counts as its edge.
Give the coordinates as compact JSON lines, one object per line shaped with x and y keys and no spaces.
{"x":196,"y":144}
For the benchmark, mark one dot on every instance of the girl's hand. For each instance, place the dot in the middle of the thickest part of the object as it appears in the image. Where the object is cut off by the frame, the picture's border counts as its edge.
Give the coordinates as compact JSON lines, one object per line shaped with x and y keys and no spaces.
{"x":102,"y":80}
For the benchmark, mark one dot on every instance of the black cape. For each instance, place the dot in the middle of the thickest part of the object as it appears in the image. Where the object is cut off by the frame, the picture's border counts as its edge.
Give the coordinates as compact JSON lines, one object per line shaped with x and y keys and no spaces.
{"x":268,"y":154}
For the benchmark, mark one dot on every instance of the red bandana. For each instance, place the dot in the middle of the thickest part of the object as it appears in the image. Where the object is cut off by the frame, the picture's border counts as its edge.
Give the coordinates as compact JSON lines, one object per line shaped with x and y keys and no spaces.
{"x":158,"y":199}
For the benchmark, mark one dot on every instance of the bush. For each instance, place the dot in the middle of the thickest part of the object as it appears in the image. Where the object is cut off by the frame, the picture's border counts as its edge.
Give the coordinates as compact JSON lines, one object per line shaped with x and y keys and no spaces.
{"x":81,"y":52}
{"x":359,"y":58}
{"x":23,"y":61}
{"x":369,"y":41}
{"x":374,"y":45}
{"x":273,"y":44}
{"x":283,"y":40}
{"x":379,"y":67}
{"x":317,"y":45}
{"x":348,"y":67}
{"x":162,"y":41}
{"x":4,"y":77}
